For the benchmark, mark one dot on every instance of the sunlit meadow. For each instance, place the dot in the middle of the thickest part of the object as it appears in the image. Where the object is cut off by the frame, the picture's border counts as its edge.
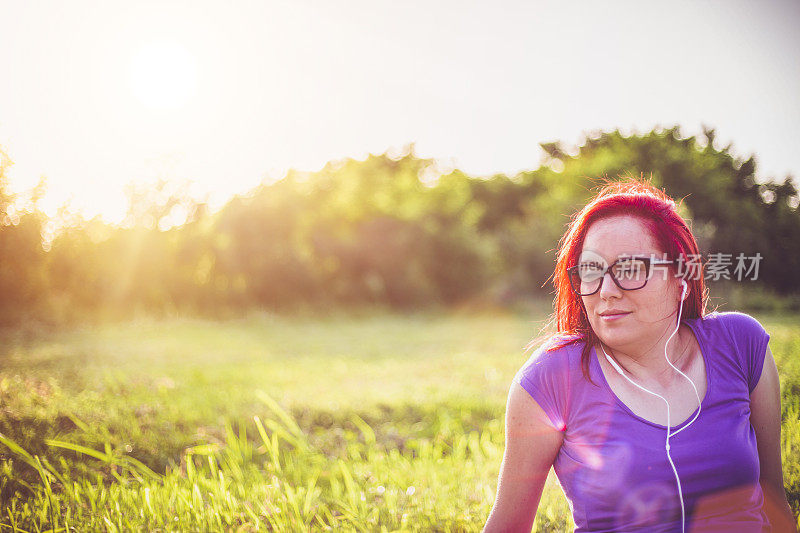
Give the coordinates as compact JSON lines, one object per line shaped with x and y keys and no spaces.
{"x":379,"y":421}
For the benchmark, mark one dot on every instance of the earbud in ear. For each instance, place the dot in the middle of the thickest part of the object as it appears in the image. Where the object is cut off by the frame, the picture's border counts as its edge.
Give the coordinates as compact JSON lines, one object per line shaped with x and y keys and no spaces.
{"x":685,"y":289}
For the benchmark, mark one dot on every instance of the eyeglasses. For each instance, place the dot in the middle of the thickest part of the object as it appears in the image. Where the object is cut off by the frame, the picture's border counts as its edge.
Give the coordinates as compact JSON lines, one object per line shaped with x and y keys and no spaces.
{"x":629,"y":273}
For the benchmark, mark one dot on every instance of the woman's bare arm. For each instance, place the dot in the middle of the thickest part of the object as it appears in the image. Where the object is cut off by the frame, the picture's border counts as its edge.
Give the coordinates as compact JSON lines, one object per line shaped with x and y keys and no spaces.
{"x":531,"y":447}
{"x":765,"y":417}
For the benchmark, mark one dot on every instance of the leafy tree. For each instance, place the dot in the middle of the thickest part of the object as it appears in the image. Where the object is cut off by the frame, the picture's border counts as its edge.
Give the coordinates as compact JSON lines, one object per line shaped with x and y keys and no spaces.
{"x":22,"y":274}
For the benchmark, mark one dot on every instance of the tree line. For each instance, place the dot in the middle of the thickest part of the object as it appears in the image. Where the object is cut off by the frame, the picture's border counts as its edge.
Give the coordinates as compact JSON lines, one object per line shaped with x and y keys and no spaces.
{"x":388,"y":230}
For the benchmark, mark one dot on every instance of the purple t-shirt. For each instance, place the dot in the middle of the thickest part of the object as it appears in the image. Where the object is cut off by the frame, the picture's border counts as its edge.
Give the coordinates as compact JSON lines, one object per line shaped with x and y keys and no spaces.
{"x":612,"y":464}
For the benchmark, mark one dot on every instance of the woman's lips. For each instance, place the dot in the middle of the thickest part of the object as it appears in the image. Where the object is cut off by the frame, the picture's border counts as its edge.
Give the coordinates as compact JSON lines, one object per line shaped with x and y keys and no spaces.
{"x":610,"y":318}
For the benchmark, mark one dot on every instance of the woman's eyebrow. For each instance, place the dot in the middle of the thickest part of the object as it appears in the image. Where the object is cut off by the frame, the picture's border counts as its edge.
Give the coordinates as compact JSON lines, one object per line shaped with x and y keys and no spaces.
{"x":625,"y":256}
{"x":639,"y":254}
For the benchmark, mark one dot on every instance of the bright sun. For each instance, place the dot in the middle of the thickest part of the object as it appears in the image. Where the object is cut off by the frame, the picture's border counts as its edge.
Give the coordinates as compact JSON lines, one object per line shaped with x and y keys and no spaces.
{"x":163,"y":75}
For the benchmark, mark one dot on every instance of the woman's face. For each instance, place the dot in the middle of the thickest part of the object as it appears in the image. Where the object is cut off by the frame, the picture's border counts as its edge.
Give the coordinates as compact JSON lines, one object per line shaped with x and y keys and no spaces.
{"x":644,"y":314}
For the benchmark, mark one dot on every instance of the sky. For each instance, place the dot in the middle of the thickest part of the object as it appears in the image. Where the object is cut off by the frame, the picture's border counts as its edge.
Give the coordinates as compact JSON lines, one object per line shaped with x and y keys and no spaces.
{"x":224,"y":95}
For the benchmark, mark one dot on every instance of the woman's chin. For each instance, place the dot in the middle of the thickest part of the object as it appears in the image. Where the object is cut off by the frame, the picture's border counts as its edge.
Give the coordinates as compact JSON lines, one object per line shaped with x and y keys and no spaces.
{"x":614,"y":335}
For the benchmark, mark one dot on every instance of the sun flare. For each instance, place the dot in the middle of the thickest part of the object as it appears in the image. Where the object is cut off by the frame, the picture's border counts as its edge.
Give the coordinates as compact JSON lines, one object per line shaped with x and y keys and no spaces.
{"x":163,"y":75}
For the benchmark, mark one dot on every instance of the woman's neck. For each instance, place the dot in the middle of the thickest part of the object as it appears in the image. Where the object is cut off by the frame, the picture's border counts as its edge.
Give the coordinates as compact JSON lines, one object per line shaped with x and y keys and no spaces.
{"x":648,"y":364}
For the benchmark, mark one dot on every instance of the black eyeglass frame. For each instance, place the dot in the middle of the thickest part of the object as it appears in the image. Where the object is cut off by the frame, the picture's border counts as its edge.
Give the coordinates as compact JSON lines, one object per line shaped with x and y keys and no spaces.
{"x":648,"y":261}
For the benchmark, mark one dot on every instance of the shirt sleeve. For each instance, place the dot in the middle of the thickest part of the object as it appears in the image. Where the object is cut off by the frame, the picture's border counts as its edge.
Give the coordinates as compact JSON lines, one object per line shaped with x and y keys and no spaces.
{"x":751,"y":341}
{"x":545,"y":376}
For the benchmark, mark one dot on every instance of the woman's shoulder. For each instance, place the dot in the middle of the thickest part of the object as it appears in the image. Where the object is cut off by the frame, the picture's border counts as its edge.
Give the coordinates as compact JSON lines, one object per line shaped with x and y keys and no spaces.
{"x":739,"y":338}
{"x":730,"y":318}
{"x":734,"y":324}
{"x":557,"y":354}
{"x":547,"y":376}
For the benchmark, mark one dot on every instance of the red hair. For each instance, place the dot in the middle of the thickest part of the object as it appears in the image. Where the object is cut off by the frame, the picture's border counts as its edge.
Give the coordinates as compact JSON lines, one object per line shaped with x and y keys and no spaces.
{"x":657,"y":211}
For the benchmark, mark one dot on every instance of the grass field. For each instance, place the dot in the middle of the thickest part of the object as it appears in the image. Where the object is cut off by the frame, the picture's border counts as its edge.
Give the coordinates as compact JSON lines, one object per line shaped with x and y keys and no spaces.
{"x":383,"y":422}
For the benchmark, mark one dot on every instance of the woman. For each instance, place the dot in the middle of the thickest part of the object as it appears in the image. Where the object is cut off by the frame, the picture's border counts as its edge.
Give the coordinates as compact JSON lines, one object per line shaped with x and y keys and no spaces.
{"x":654,"y":416}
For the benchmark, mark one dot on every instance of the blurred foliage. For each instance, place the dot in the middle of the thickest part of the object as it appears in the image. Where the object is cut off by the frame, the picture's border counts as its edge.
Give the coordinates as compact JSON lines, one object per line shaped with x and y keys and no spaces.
{"x":392,"y":231}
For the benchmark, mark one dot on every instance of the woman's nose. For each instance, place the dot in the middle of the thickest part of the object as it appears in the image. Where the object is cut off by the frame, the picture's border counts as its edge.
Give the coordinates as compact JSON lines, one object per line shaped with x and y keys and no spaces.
{"x":608,"y":288}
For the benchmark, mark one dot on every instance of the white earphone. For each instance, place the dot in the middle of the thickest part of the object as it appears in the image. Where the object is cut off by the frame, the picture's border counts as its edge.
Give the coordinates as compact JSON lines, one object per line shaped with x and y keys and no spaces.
{"x":621,"y":373}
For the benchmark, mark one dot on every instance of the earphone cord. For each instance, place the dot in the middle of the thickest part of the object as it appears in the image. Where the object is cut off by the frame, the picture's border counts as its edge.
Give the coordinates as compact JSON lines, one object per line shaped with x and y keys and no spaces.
{"x":619,"y":370}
